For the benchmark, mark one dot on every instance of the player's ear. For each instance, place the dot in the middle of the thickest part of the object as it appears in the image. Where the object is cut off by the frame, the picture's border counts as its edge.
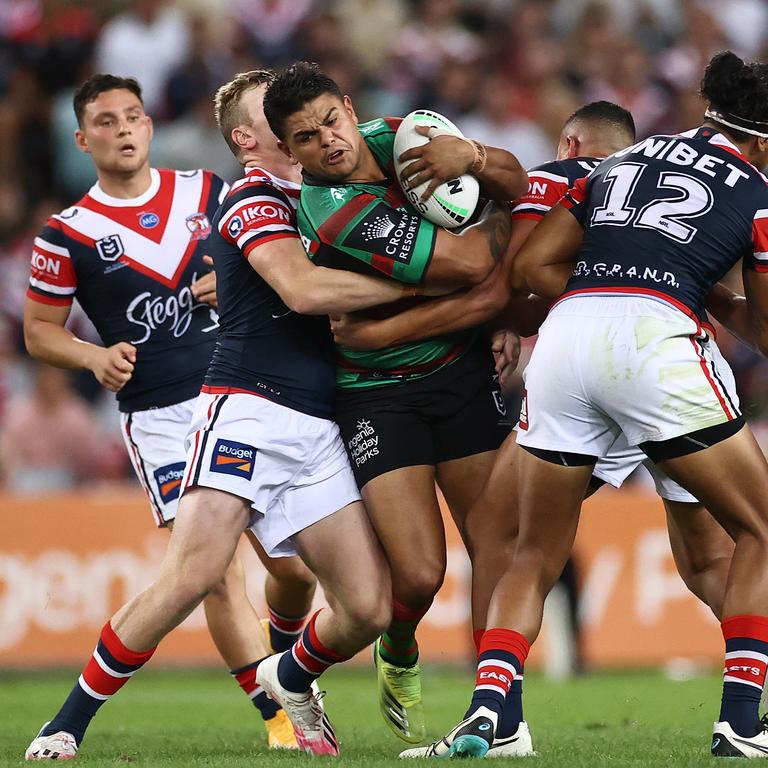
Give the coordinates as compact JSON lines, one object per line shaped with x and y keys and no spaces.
{"x":244,"y":138}
{"x":350,"y":109}
{"x":151,"y":127}
{"x":573,"y":146}
{"x":81,"y":142}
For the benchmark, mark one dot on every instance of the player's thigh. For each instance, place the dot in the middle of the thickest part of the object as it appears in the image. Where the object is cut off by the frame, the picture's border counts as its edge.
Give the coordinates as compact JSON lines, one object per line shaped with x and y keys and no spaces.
{"x":343,"y":551}
{"x":696,"y":538}
{"x":404,"y":511}
{"x":730,"y":478}
{"x":290,"y":569}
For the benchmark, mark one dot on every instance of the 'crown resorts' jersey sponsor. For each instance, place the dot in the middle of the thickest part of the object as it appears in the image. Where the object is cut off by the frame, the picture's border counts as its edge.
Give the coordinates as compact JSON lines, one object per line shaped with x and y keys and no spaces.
{"x":548,"y":184}
{"x":263,"y":348}
{"x":668,"y":217}
{"x":130,"y":264}
{"x":371,"y":228}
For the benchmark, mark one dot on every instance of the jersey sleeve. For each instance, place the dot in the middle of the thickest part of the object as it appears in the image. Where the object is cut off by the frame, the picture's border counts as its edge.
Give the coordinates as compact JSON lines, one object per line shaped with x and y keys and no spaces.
{"x":545,"y":191}
{"x":219,"y":187}
{"x":758,"y":260}
{"x":393,"y":241}
{"x":575,"y":200}
{"x":52,"y":277}
{"x":257,"y":213}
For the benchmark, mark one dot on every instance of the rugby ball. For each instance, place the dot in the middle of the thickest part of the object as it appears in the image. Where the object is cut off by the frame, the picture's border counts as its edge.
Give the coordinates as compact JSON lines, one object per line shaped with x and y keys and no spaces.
{"x":453,"y":202}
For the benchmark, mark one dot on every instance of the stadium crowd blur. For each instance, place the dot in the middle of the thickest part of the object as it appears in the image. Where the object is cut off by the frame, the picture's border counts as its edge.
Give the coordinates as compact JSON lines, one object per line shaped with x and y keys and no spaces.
{"x":508,"y":71}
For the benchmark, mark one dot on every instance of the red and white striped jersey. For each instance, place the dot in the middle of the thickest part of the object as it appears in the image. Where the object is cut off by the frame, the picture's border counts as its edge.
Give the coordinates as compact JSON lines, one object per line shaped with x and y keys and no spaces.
{"x":130,"y":264}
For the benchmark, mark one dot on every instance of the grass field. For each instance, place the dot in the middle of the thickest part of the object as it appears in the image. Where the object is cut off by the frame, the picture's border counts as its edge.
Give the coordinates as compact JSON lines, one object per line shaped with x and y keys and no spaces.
{"x":200,"y":718}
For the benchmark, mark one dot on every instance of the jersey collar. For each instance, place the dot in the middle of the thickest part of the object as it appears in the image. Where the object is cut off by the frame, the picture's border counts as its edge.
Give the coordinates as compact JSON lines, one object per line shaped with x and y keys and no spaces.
{"x":98,"y":194}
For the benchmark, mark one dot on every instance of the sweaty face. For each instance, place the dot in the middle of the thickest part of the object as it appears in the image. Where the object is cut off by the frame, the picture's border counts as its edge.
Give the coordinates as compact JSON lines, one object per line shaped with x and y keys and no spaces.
{"x":116,"y":132}
{"x":323,"y":137}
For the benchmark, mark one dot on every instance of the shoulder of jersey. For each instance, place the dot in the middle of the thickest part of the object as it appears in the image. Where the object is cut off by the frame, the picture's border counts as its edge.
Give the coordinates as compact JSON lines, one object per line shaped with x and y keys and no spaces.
{"x":380,"y":125}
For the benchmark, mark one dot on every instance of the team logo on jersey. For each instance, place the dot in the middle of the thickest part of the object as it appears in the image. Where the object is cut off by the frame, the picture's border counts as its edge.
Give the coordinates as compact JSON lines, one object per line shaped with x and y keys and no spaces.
{"x":387,"y":232}
{"x":69,"y":213}
{"x":168,"y":479}
{"x":198,"y":225}
{"x":235,"y":226}
{"x":498,"y":401}
{"x":232,"y":458}
{"x":148,"y":220}
{"x":110,"y":248}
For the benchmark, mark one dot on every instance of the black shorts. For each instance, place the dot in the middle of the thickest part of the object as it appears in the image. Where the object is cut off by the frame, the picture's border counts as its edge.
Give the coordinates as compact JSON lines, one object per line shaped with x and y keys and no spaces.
{"x":456,"y":412}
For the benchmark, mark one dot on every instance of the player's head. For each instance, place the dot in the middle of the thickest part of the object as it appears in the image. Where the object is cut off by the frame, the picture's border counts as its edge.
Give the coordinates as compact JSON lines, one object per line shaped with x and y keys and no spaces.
{"x":113,"y":127}
{"x":737,"y":94}
{"x":596,"y":130}
{"x":238,"y":106}
{"x":315,"y":124}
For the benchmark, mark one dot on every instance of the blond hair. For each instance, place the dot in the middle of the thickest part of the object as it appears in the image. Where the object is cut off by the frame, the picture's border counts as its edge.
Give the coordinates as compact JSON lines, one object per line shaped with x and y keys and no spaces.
{"x":227,"y":102}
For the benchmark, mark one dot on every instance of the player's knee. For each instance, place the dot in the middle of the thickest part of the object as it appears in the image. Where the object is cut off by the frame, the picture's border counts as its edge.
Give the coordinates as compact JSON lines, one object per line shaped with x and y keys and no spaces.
{"x":370,"y":615}
{"x":418,"y":585}
{"x":291,"y":573}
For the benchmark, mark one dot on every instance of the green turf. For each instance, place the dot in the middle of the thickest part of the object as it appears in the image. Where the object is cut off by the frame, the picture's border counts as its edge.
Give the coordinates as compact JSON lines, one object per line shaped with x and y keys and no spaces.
{"x":196,"y":718}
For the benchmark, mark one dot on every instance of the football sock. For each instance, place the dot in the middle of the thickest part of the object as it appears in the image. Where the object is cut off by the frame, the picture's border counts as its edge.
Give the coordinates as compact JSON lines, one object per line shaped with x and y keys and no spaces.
{"x":306,"y":661}
{"x":398,"y":644}
{"x":502,"y":655}
{"x":110,"y":667}
{"x":512,"y":715}
{"x":246,"y":679}
{"x":284,"y":630}
{"x":746,"y":658}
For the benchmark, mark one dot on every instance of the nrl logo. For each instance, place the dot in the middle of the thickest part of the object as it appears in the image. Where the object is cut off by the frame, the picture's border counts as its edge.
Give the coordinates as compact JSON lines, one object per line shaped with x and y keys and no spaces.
{"x":110,"y":248}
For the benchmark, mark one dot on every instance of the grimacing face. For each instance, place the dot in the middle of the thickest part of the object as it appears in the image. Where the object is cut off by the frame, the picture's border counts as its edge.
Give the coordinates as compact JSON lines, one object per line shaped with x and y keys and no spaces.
{"x":323,"y":137}
{"x":116,"y":132}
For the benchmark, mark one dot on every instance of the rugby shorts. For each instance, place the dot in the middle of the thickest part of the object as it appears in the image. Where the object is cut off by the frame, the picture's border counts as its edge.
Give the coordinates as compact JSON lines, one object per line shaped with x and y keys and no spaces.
{"x":155,"y":442}
{"x":290,"y":466}
{"x":622,"y":459}
{"x":606,"y":365}
{"x":453,"y":413}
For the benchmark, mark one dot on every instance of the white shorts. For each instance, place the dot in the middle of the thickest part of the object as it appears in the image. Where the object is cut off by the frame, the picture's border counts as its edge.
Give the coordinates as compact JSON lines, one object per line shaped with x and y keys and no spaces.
{"x":604,"y":365}
{"x":291,"y":467}
{"x":155,"y":442}
{"x":622,"y":459}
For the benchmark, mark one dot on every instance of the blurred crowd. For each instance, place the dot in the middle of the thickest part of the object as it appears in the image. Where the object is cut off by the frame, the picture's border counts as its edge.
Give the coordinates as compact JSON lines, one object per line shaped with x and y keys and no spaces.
{"x":508,"y":71}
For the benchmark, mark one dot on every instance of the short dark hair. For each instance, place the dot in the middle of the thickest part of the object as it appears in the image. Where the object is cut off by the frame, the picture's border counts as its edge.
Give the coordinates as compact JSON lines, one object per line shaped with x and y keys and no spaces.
{"x":98,"y":84}
{"x":736,"y":88}
{"x":302,"y":82}
{"x":608,"y":113}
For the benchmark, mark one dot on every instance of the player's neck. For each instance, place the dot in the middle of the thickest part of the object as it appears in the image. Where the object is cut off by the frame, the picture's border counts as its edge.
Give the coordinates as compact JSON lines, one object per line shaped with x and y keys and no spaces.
{"x":125,"y":186}
{"x":281,"y":170}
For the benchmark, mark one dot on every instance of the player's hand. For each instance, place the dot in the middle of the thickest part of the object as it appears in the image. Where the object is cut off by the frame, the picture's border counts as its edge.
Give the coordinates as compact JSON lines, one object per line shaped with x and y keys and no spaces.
{"x":505,"y":345}
{"x":442,"y":158}
{"x":113,"y":366}
{"x":355,"y":332}
{"x":204,"y":288}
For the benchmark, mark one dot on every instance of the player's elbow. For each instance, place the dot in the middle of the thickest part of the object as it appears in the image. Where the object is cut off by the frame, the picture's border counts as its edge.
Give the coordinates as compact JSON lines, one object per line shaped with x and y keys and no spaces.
{"x":517,"y":183}
{"x":32,"y":340}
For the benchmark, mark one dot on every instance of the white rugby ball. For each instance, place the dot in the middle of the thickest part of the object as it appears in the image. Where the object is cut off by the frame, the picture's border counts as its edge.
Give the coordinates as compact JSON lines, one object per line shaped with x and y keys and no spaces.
{"x":453,"y":202}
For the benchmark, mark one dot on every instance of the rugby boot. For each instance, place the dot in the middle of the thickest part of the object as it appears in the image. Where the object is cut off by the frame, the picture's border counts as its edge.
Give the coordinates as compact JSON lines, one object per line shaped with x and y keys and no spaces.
{"x":400,"y":698}
{"x":280,"y":733}
{"x":519,"y":744}
{"x":58,"y":746}
{"x":727,"y":743}
{"x":472,"y":737}
{"x":313,"y":731}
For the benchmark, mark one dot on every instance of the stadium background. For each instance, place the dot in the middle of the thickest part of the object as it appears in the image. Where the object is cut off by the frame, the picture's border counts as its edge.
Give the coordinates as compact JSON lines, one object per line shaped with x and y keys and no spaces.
{"x":76,"y":531}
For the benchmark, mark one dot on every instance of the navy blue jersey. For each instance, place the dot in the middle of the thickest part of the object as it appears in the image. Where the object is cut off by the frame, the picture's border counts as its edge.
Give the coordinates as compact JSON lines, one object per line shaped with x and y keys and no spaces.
{"x":548,"y":184}
{"x":263,"y":348}
{"x":130,"y":264}
{"x":668,"y":217}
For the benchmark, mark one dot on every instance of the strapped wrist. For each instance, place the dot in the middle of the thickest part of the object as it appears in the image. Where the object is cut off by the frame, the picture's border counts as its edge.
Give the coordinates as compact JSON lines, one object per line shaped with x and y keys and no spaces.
{"x":481,"y":157}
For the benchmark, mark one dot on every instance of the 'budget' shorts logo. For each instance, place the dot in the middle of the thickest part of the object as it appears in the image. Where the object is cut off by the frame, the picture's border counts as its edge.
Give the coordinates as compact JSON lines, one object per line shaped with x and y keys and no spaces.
{"x":168,"y":479}
{"x":231,"y":458}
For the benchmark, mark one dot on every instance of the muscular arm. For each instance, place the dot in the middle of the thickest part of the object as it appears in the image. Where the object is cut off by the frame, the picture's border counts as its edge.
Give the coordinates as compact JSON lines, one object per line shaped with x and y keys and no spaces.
{"x":446,"y":156}
{"x":455,"y":312}
{"x":312,"y":290}
{"x":48,"y":340}
{"x":465,"y":259}
{"x":545,"y":262}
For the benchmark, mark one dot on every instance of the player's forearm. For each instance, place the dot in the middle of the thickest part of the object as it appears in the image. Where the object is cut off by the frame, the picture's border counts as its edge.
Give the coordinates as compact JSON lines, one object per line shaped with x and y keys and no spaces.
{"x":502,"y":178}
{"x":730,"y":310}
{"x":523,"y":313}
{"x":55,"y":345}
{"x":333,"y":291}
